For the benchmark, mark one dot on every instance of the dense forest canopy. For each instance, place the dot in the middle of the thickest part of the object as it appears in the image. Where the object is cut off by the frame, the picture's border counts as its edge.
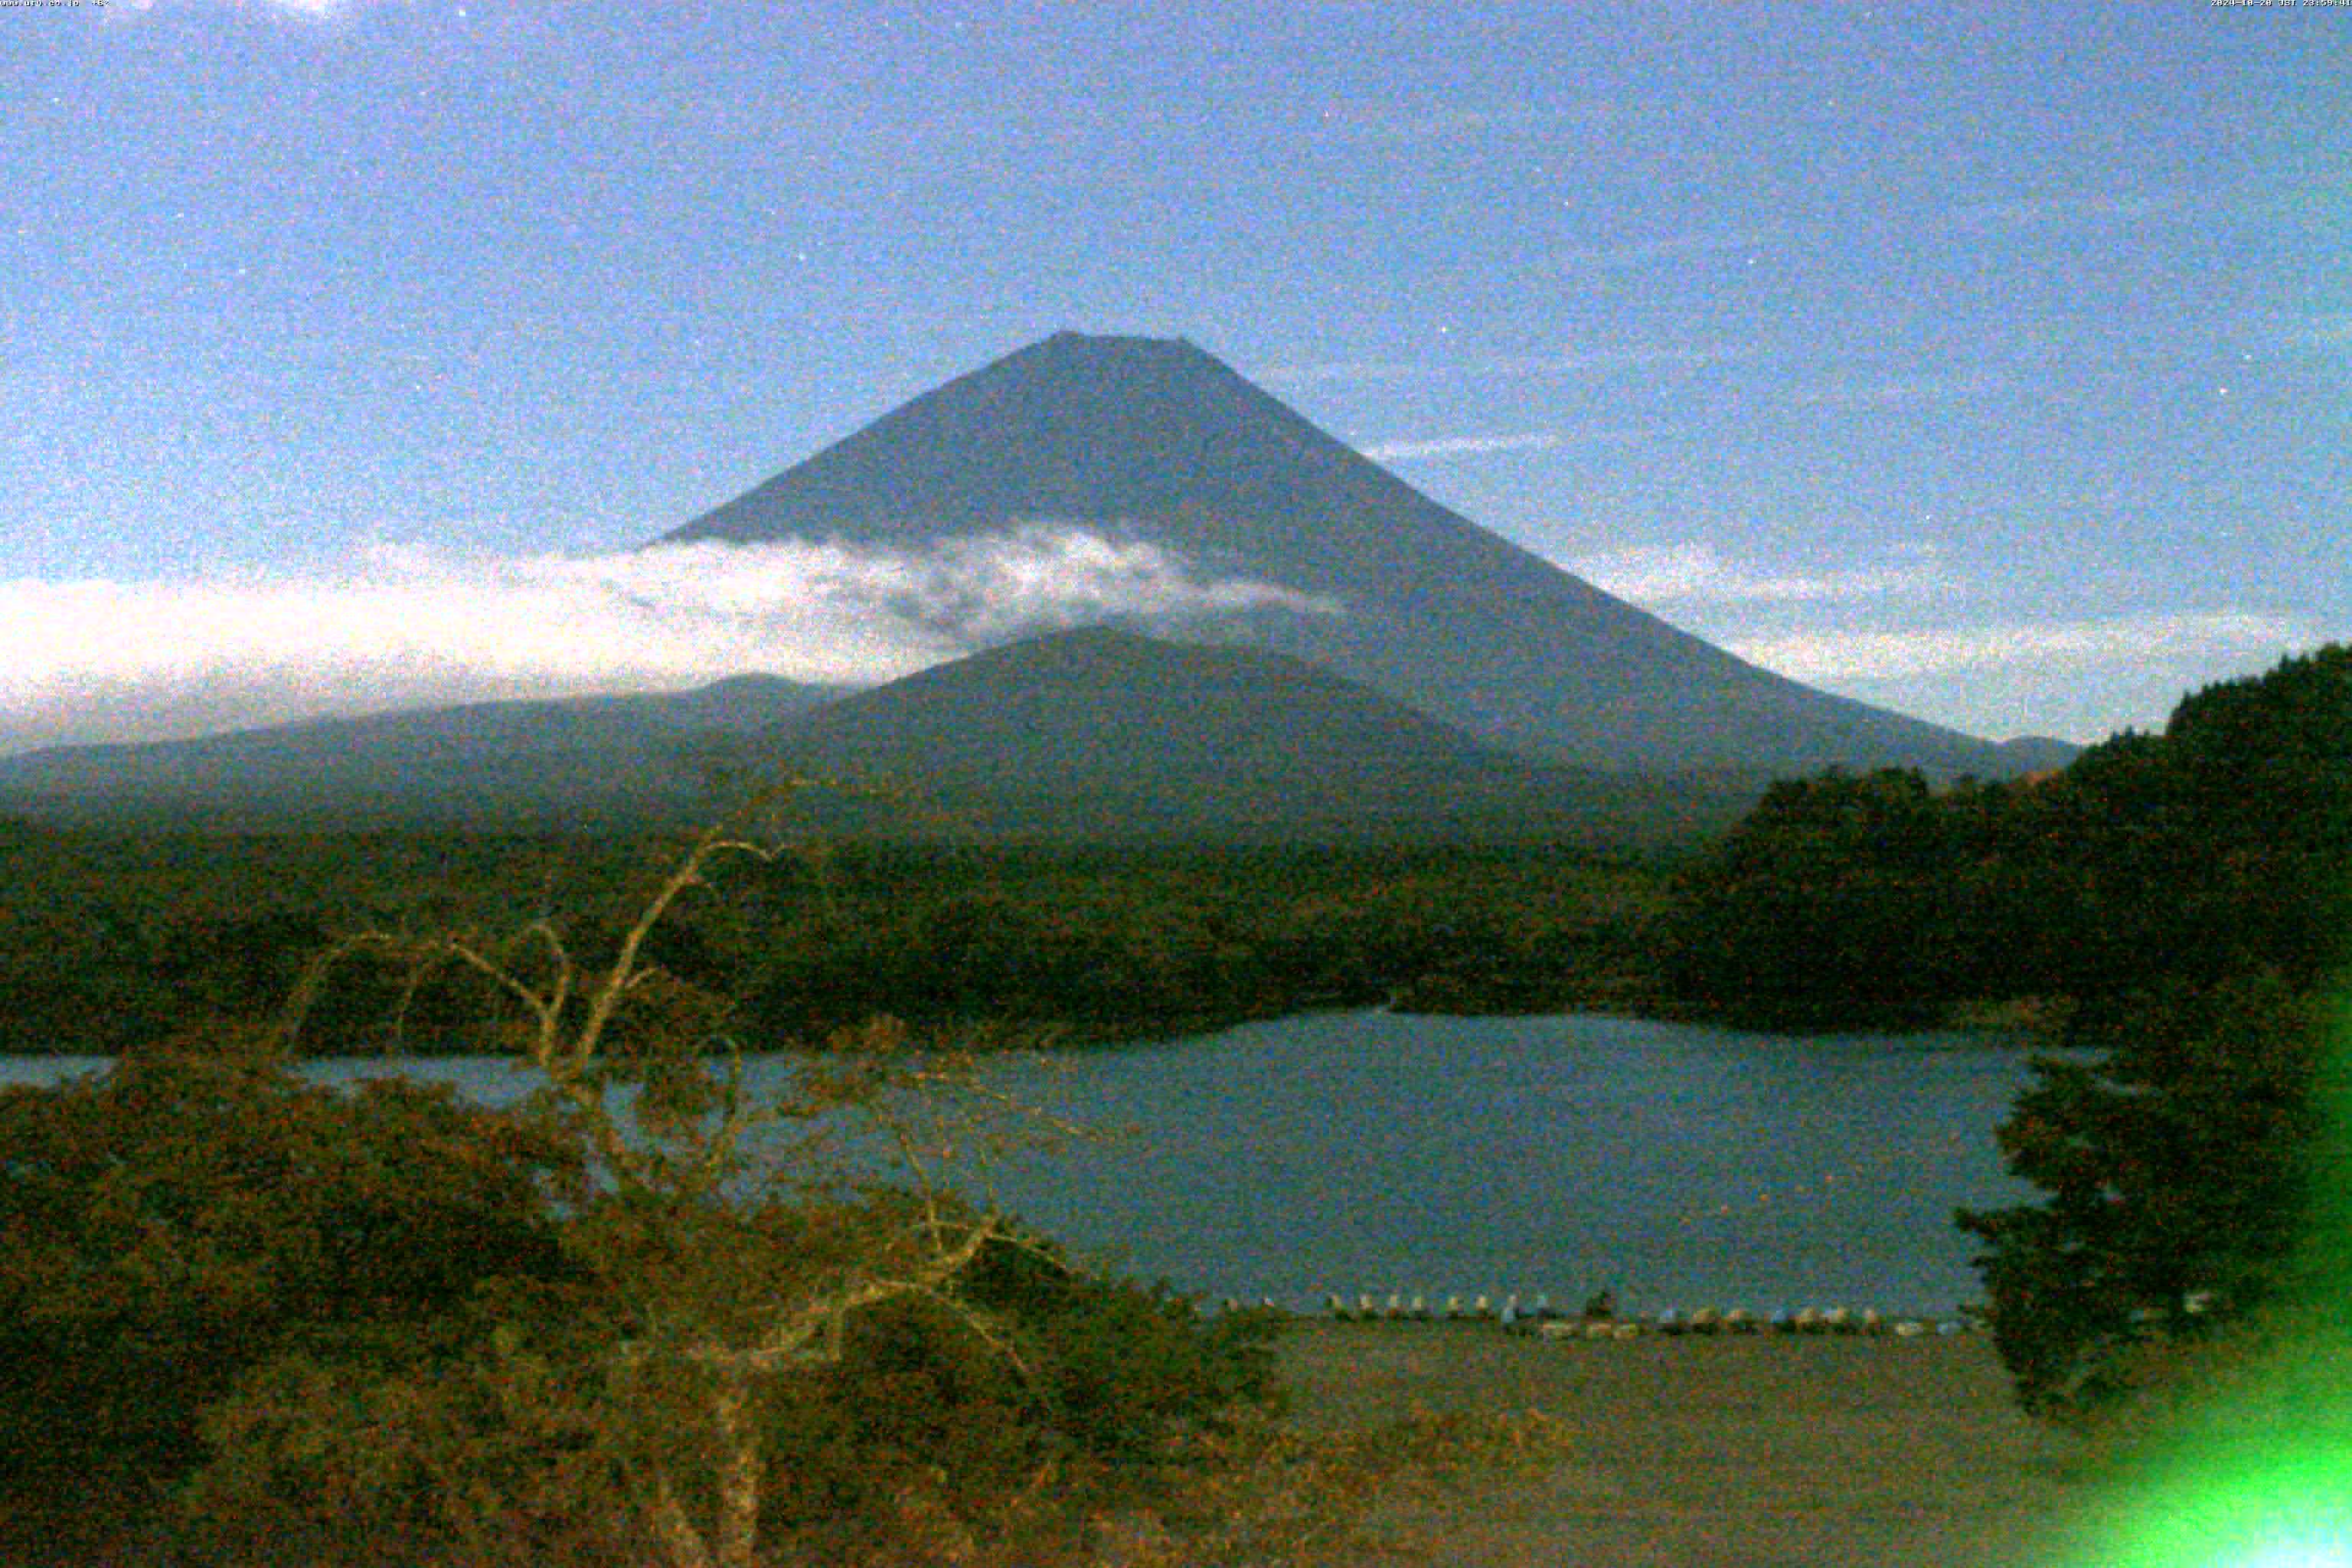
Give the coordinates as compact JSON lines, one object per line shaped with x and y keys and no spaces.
{"x":113,"y":940}
{"x":2214,"y":849}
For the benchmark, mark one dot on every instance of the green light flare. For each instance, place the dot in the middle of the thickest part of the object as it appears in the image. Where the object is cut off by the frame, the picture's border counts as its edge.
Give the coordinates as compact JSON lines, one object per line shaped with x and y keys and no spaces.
{"x":2284,"y":1509}
{"x":2257,"y":1473}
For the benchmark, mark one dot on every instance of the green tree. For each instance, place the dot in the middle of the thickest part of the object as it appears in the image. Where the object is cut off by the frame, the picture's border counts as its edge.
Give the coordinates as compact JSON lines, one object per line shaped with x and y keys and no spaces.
{"x":2209,"y":869}
{"x":782,"y":1317}
{"x":725,"y":1269}
{"x":1833,"y":903}
{"x":2175,"y":1170}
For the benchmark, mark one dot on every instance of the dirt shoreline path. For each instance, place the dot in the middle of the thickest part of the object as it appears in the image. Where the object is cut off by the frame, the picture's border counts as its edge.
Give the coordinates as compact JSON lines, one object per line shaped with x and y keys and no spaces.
{"x":1768,"y":1451}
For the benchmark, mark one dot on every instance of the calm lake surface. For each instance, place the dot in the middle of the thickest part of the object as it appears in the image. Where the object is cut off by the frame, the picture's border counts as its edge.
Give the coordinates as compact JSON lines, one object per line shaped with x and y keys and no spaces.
{"x":1372,"y":1151}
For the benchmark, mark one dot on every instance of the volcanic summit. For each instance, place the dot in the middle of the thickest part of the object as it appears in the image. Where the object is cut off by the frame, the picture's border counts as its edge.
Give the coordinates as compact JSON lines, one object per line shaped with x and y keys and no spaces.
{"x":1157,"y":440}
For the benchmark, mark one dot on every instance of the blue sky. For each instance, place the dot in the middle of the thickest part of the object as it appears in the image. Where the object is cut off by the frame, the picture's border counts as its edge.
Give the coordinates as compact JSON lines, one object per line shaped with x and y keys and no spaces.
{"x":1992,"y":362}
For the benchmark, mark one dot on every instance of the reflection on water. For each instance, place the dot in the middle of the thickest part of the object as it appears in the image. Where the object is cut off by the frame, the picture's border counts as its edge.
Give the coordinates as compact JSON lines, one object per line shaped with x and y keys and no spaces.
{"x":1367,"y":1151}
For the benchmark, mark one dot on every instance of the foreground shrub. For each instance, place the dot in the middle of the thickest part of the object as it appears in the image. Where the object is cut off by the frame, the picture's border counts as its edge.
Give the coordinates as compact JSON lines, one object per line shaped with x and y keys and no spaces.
{"x":187,"y":1215}
{"x":779,"y":1318}
{"x":1040,"y":1399}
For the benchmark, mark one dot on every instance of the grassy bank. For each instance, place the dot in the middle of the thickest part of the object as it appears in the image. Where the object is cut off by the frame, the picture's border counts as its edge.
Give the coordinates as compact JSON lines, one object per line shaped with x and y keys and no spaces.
{"x":1712,"y":1453}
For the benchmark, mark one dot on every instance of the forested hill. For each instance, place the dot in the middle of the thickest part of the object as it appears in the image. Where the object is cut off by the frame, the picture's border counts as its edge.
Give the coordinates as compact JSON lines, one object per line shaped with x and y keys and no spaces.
{"x":2221,"y":847}
{"x":1101,"y":735}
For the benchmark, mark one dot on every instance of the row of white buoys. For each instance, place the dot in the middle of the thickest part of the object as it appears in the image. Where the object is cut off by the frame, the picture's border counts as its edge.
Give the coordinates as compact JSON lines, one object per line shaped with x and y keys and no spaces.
{"x":1598,"y":1320}
{"x":1397,"y":1307}
{"x":1590,"y":1329}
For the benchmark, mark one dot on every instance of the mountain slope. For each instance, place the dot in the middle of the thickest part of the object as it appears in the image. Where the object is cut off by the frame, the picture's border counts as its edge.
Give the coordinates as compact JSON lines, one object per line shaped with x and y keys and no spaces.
{"x":1101,"y":734}
{"x":1161,"y":441}
{"x":482,"y":763}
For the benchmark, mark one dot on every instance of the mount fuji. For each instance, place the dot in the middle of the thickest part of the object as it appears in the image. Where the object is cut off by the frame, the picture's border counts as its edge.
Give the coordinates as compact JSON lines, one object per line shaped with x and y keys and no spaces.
{"x":1157,"y":441}
{"x":1474,"y":689}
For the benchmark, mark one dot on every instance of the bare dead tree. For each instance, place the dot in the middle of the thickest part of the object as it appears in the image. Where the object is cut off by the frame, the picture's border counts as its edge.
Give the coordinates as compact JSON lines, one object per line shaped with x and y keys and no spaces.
{"x":729,"y":1300}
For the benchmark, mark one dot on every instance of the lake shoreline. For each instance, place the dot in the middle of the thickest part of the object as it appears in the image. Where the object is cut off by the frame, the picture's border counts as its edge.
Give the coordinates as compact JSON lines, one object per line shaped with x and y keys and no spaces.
{"x":2025,"y":1019}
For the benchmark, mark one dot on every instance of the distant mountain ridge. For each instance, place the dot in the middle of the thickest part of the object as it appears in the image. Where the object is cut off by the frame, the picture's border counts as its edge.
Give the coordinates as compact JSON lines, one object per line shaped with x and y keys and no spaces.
{"x":518,"y":763}
{"x":1103,"y":735}
{"x":1094,"y":735}
{"x":2038,"y":754}
{"x":1161,"y":441}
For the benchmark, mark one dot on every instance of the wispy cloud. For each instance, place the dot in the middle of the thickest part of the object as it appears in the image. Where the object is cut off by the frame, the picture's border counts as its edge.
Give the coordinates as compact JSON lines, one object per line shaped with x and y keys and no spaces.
{"x":1631,"y":255}
{"x":1672,"y":574}
{"x":2076,"y":645}
{"x":1567,"y":363}
{"x":2072,"y":210}
{"x":118,"y":660}
{"x":1900,"y":391}
{"x":1457,"y":447}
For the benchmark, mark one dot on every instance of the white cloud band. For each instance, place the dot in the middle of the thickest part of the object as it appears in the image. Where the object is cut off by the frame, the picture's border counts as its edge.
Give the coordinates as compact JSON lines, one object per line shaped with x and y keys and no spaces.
{"x":2054,"y":645}
{"x":115,"y":660}
{"x":1458,"y":446}
{"x":1670,"y":574}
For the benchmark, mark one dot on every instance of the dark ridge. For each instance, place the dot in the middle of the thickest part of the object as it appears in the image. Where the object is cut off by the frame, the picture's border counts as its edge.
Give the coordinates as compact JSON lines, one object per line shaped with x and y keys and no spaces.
{"x":540,"y":762}
{"x":1102,"y":735}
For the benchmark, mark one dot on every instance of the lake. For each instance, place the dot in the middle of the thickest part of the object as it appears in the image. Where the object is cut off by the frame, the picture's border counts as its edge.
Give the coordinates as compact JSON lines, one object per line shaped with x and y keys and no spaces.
{"x":1372,"y":1151}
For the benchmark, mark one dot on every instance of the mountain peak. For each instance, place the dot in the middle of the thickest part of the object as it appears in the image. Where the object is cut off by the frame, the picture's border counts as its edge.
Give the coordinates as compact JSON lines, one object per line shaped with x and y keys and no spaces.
{"x":1158,"y":440}
{"x":1072,"y":428}
{"x":1071,"y":344}
{"x":1177,"y":366}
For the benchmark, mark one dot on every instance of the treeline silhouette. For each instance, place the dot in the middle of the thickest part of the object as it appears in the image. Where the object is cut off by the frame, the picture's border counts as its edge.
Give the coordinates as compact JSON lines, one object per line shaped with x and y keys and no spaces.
{"x":2218,"y":848}
{"x":113,"y":940}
